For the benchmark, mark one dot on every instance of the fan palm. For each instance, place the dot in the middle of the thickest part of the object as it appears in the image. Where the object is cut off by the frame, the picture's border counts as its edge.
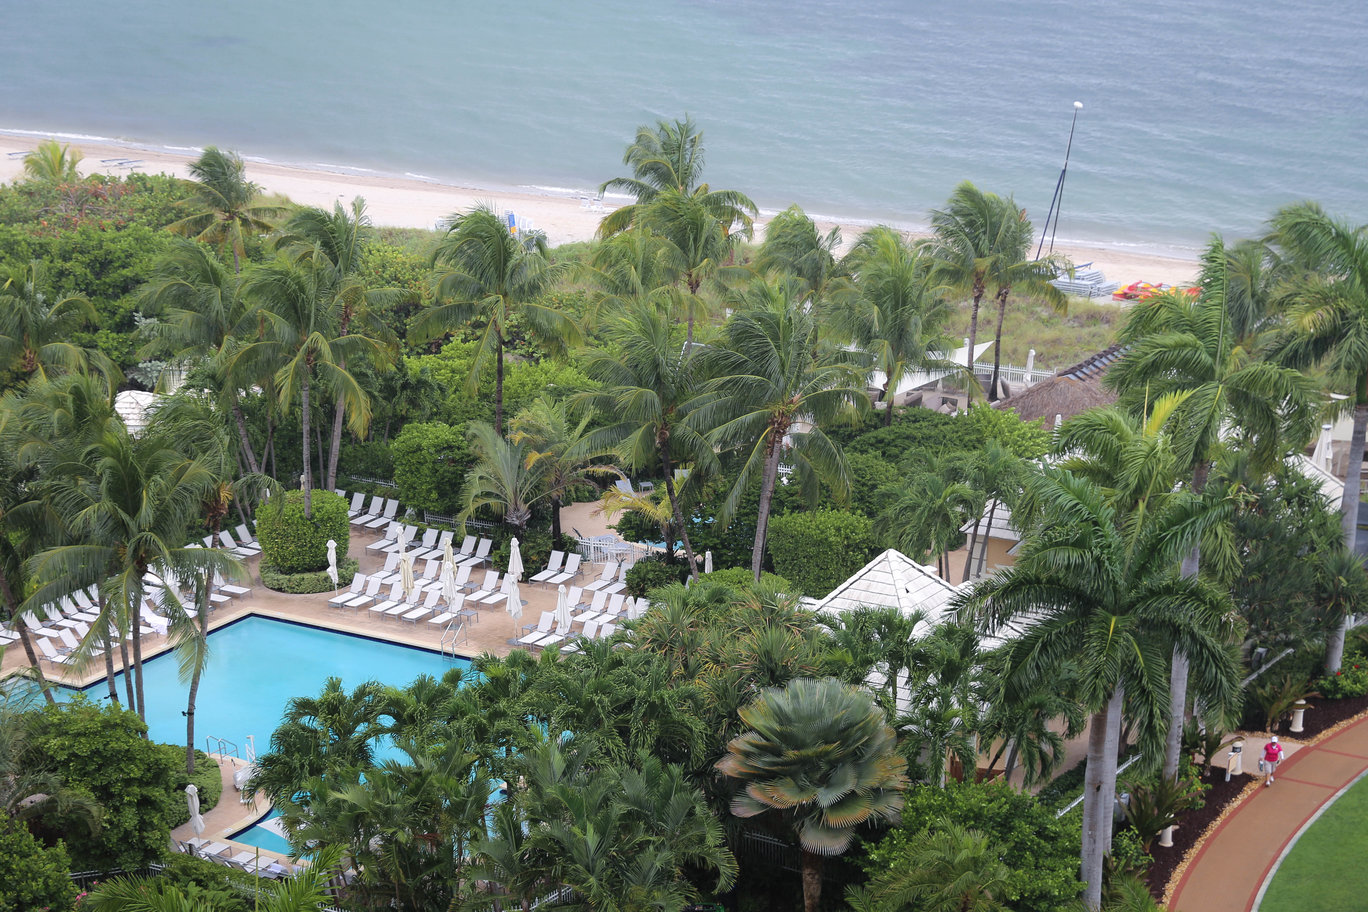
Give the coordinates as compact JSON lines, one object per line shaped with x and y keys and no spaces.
{"x":505,"y":479}
{"x":300,"y":304}
{"x":50,"y":163}
{"x":819,"y":756}
{"x":897,"y":314}
{"x":562,"y":451}
{"x":229,"y":207}
{"x":35,"y":331}
{"x":1327,"y":324}
{"x":201,"y":316}
{"x":651,"y":390}
{"x":776,"y":385}
{"x":1097,"y":589}
{"x":488,"y":276}
{"x":306,"y":891}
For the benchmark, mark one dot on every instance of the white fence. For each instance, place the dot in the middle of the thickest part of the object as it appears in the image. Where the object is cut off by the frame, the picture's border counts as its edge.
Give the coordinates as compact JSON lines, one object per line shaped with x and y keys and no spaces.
{"x":607,"y":548}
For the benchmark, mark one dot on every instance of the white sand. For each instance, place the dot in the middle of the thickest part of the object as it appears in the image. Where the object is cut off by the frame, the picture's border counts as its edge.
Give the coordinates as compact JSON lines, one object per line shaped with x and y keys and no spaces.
{"x":408,"y":203}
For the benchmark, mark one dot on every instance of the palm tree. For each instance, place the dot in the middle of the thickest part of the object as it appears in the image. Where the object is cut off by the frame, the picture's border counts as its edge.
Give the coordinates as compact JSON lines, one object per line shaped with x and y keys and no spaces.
{"x":35,"y":332}
{"x":1022,"y":723}
{"x":650,"y":391}
{"x":1181,"y":345}
{"x":942,"y":719}
{"x":489,"y":276}
{"x":793,"y":246}
{"x":343,"y":236}
{"x":819,"y":756}
{"x":1328,"y":324}
{"x":505,"y":479}
{"x":972,"y":234}
{"x":229,"y":210}
{"x":300,"y":304}
{"x":562,"y":451}
{"x":634,"y":266}
{"x":930,"y":514}
{"x":131,"y":503}
{"x":306,"y":891}
{"x":1097,"y":590}
{"x":201,"y":317}
{"x":50,"y":163}
{"x":776,"y":385}
{"x":951,"y":869}
{"x":897,"y":314}
{"x":1014,"y":271}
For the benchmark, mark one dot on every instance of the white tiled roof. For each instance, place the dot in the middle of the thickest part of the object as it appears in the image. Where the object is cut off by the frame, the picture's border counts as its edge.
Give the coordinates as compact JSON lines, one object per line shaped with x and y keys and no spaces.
{"x":892,"y":580}
{"x":1330,"y":486}
{"x":1002,"y":527}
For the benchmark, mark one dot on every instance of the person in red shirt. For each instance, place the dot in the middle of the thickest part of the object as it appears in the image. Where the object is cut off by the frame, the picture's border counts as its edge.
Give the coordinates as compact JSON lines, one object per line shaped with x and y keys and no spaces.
{"x":1272,"y":756}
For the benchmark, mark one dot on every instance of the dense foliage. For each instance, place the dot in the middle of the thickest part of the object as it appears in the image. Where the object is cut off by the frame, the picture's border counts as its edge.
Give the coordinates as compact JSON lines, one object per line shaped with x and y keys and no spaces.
{"x":294,"y":543}
{"x":33,"y":877}
{"x":431,"y":460}
{"x":818,"y":550}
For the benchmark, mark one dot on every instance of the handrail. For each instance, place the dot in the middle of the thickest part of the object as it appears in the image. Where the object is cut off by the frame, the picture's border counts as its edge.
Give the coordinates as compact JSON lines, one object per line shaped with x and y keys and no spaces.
{"x":454,"y":633}
{"x":223,"y":744}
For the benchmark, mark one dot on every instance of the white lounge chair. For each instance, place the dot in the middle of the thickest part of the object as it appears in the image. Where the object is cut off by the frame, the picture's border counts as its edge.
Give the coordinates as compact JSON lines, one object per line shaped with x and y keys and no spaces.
{"x":358,"y":503}
{"x":540,"y":629}
{"x":428,"y":607}
{"x":396,"y":597}
{"x":245,"y":537}
{"x":481,"y":553}
{"x":606,"y":577}
{"x":488,"y":587}
{"x":50,"y":653}
{"x":379,"y":522}
{"x":358,"y":582}
{"x":377,"y":506}
{"x":552,"y":567}
{"x":371,"y":594}
{"x":595,"y":609}
{"x":452,"y":610}
{"x":570,"y":571}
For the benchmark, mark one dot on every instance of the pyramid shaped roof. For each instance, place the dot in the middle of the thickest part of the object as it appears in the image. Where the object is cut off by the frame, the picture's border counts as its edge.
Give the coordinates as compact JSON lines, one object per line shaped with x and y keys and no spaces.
{"x":892,"y":580}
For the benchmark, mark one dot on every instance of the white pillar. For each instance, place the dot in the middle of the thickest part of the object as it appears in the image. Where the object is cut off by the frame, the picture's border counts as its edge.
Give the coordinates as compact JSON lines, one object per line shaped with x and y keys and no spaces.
{"x":1298,"y":710}
{"x":1030,"y":368}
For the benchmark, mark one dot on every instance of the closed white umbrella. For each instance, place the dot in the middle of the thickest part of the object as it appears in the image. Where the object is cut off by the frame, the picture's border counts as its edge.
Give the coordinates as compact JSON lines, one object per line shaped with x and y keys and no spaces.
{"x":514,"y":605}
{"x":332,"y":562}
{"x":707,"y":562}
{"x":449,"y":581}
{"x":405,"y":536}
{"x":406,"y":573}
{"x":449,"y":556}
{"x":562,"y":610}
{"x":192,"y":798}
{"x":515,"y":564}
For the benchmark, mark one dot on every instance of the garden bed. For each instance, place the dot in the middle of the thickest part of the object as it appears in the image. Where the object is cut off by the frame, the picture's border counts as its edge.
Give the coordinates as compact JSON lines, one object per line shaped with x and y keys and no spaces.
{"x":1324,"y":714}
{"x":1191,"y":827}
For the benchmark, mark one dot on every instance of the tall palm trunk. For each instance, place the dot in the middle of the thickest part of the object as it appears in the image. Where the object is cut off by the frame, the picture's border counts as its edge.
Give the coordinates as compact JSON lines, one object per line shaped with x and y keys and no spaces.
{"x":973,"y":323}
{"x":973,"y":545}
{"x":555,"y":521}
{"x":109,"y":665}
{"x":202,"y":616}
{"x":1099,"y":795}
{"x":812,"y":880}
{"x":987,"y":536}
{"x":244,"y":439}
{"x":767,"y":482}
{"x":498,"y":384}
{"x":338,"y":415}
{"x":12,"y":606}
{"x":887,"y":400}
{"x":1179,"y":667}
{"x":308,"y":469}
{"x":127,"y":672}
{"x":1349,"y":507}
{"x":140,"y":706}
{"x":663,"y":442}
{"x":1002,"y":295}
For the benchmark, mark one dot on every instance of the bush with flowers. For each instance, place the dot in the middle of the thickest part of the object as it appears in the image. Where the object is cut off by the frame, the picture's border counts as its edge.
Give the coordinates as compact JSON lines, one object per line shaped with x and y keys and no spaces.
{"x":1350,"y":681}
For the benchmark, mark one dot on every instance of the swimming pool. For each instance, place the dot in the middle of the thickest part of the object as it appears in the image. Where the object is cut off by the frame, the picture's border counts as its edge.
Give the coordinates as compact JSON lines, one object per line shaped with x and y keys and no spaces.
{"x":255,"y":666}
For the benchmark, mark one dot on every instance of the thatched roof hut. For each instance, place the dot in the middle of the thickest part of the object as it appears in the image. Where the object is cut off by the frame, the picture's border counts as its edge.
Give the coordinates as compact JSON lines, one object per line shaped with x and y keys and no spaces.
{"x":1073,"y":390}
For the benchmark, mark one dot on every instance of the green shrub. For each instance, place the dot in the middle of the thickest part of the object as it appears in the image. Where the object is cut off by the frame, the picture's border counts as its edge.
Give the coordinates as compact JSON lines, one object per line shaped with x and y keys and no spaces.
{"x":103,"y":753}
{"x":1350,"y":681}
{"x":1040,"y":851}
{"x":431,"y":460}
{"x":309,"y":583}
{"x":368,"y":458}
{"x":207,"y":779}
{"x":211,"y":886}
{"x":292,"y":543}
{"x":534,"y":546}
{"x":743,"y":581}
{"x":820,"y":550}
{"x":652,"y":573}
{"x":32,"y":877}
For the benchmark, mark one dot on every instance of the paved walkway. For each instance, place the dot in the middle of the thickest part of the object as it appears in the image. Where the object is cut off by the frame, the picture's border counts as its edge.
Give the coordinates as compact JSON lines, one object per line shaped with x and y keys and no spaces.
{"x":1227,"y":872}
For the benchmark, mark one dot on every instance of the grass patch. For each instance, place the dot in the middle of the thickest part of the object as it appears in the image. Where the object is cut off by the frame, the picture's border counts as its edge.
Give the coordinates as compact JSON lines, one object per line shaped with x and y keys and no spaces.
{"x":1059,"y":340}
{"x":1325,"y":868}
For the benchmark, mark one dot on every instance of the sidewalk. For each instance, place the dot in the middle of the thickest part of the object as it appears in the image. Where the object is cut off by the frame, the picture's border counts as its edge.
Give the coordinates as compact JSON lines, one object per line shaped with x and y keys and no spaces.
{"x":1229,"y":868}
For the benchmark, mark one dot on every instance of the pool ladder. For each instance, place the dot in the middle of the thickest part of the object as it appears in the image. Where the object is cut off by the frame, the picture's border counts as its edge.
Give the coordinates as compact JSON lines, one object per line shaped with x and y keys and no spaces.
{"x":226,"y":748}
{"x":454,"y":634}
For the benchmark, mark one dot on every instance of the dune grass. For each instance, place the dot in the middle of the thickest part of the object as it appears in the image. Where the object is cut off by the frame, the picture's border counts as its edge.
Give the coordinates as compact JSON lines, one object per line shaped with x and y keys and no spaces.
{"x":1060,"y":340}
{"x":1325,"y":868}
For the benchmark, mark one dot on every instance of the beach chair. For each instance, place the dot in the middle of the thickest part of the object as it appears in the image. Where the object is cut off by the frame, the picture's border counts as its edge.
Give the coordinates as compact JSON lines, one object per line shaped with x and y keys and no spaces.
{"x":244,"y":551}
{"x":467,"y":548}
{"x":489,"y":586}
{"x":481,"y":553}
{"x":208,"y":541}
{"x":35,"y":626}
{"x":390,"y":572}
{"x":409,"y":603}
{"x":245,"y":537}
{"x":538,"y":630}
{"x":357,"y":583}
{"x":396,"y":597}
{"x":620,"y":583}
{"x":606,"y":577}
{"x":50,"y":653}
{"x":463,"y":577}
{"x":391,"y":509}
{"x":590,"y":632}
{"x":595,"y":609}
{"x":371,"y":594}
{"x":437,"y":550}
{"x":428,"y":607}
{"x":428,"y":542}
{"x":388,"y":539}
{"x":615,"y":604}
{"x":574,"y":598}
{"x":552,"y":567}
{"x":377,"y":506}
{"x":568,"y":572}
{"x":358,"y":503}
{"x":409,"y":532}
{"x":452,"y":610}
{"x":606,"y":630}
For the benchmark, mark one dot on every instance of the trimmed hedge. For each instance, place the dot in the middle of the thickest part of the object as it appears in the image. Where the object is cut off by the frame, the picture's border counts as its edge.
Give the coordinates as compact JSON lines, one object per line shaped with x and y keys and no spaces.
{"x":431,"y":460}
{"x":291,"y":543}
{"x":309,"y":583}
{"x":742,"y":581}
{"x":820,"y":550}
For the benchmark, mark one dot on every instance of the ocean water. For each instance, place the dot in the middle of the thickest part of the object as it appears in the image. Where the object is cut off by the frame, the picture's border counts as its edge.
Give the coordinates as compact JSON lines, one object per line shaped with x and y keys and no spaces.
{"x":1198,"y":116}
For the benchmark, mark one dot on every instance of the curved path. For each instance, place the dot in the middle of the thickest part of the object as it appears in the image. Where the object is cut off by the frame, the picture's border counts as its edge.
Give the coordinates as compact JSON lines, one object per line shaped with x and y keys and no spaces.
{"x":1233,"y":863}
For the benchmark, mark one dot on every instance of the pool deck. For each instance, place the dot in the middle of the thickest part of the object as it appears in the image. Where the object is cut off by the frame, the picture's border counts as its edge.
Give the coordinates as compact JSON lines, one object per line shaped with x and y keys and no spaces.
{"x":490,"y":633}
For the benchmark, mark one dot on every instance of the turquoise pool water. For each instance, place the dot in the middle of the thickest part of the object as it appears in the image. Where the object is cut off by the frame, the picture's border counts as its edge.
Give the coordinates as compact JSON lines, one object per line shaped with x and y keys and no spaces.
{"x":255,"y":666}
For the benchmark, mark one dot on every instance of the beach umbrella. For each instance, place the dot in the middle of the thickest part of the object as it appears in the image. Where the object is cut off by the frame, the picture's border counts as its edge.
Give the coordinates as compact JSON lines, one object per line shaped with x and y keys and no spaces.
{"x":404,"y":537}
{"x":406,"y":573}
{"x":332,"y":562}
{"x":449,"y":556}
{"x":449,"y":581}
{"x":192,"y":798}
{"x":514,"y":605}
{"x":562,"y":610}
{"x":707,"y":562}
{"x":515,"y":564}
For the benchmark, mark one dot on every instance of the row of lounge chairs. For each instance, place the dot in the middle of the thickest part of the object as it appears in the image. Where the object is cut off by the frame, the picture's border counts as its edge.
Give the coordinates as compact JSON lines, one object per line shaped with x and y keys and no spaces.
{"x":244,"y":546}
{"x":251,"y":862}
{"x":379,"y":514}
{"x":433,"y":545}
{"x":600,"y":619}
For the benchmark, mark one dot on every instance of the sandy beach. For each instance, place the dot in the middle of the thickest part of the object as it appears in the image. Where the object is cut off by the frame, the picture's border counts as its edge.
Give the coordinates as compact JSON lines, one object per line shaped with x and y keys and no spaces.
{"x":410,"y":203}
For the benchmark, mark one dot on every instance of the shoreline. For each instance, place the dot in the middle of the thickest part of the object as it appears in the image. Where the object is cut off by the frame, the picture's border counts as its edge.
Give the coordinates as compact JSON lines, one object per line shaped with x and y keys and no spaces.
{"x":416,"y":201}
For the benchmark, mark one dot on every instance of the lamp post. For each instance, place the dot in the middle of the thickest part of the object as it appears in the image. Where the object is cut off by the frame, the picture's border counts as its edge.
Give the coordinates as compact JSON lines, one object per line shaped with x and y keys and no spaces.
{"x":1057,"y":201}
